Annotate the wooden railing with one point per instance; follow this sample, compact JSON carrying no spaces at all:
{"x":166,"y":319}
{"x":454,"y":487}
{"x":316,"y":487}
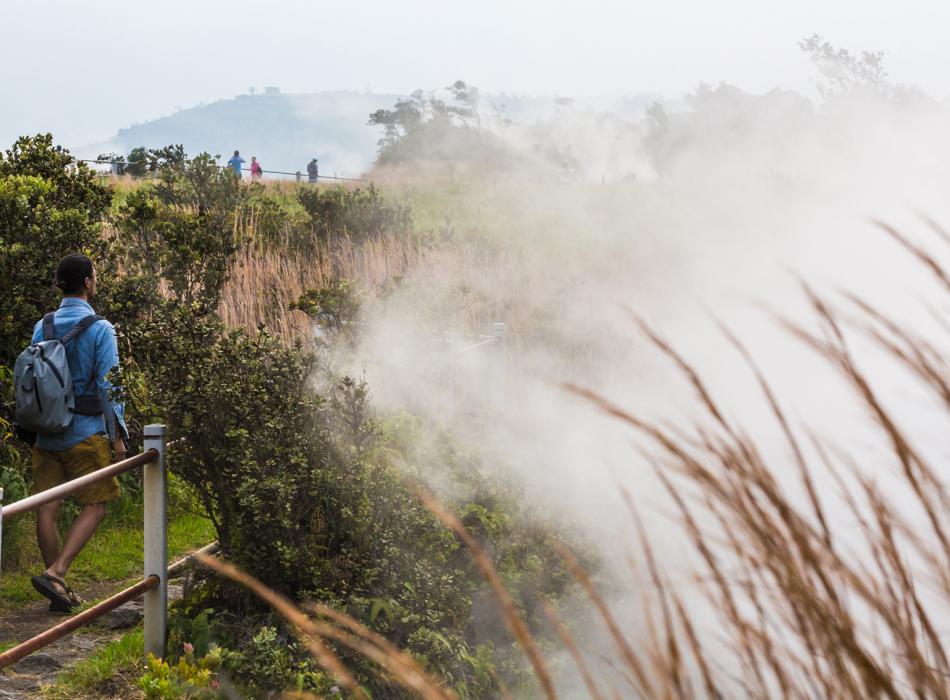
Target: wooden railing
{"x":154,"y":584}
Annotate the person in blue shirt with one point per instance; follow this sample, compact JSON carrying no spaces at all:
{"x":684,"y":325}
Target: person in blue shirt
{"x":85,"y":444}
{"x":235,"y":163}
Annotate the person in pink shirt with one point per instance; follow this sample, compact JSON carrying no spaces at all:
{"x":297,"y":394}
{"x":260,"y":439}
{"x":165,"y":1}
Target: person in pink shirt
{"x":256,"y":172}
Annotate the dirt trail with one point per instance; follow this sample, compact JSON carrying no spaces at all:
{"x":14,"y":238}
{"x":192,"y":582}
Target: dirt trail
{"x":26,"y":678}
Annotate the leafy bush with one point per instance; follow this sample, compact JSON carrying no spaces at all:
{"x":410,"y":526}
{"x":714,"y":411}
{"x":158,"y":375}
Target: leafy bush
{"x":272,"y":219}
{"x":308,"y":494}
{"x":360,"y":213}
{"x":47,"y":210}
{"x":271,"y":658}
{"x":189,"y":250}
{"x":334,"y":308}
{"x":255,"y":438}
{"x":190,"y":678}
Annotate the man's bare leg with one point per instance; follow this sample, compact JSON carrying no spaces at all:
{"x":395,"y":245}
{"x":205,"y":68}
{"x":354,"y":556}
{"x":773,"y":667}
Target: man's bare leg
{"x":47,"y":533}
{"x":82,"y":529}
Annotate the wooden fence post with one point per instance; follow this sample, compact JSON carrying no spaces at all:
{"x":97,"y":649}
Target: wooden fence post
{"x":155,"y":491}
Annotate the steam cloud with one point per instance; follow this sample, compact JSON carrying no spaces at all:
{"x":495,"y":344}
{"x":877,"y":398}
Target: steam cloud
{"x":753,"y":194}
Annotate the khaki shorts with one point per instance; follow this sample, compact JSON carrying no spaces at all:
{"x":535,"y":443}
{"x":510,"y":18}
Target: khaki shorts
{"x":54,"y":467}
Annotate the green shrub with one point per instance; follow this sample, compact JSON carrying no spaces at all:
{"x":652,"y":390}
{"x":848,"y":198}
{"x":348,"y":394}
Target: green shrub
{"x":273,"y":219}
{"x":334,"y":308}
{"x":272,"y":659}
{"x":303,"y":499}
{"x":255,"y":445}
{"x":189,"y":678}
{"x":360,"y":213}
{"x":174,"y":233}
{"x":46,"y":212}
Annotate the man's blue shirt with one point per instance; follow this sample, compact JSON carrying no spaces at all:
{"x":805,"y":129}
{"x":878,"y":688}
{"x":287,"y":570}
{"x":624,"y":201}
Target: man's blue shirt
{"x":94,"y":349}
{"x":235,"y":164}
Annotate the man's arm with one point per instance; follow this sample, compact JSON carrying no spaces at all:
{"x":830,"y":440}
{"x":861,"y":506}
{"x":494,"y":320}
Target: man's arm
{"x":107,"y":358}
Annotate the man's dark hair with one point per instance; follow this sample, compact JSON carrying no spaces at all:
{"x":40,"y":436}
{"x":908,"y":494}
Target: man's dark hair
{"x":236,"y":153}
{"x":72,"y":271}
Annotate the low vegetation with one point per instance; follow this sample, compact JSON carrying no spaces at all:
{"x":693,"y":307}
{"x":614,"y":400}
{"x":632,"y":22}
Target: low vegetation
{"x":799,"y":608}
{"x":302,"y":484}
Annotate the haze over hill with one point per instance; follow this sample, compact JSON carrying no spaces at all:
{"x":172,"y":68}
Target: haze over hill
{"x":286,"y":130}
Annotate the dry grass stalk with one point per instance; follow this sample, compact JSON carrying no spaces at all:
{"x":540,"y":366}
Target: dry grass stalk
{"x":826,"y":622}
{"x":299,"y":622}
{"x":387,"y":651}
{"x":265,"y":279}
{"x":513,"y":619}
{"x":401,"y":667}
{"x":568,"y":641}
{"x":642,"y":682}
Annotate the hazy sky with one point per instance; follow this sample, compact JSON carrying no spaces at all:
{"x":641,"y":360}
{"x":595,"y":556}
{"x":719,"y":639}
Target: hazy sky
{"x":84,"y":69}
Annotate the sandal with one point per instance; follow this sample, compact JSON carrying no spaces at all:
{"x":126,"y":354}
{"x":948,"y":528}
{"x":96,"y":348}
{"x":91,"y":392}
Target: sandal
{"x":58,"y":601}
{"x":74,"y":599}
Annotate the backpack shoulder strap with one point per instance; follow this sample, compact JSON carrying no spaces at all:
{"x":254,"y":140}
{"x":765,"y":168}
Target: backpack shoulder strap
{"x":49,"y":331}
{"x":80,"y":326}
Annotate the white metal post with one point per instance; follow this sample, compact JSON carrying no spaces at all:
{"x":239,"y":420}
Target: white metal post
{"x":156,"y":550}
{"x":499,"y":368}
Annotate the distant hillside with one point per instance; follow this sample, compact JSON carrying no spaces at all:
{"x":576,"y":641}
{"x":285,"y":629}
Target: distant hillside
{"x":285,"y":131}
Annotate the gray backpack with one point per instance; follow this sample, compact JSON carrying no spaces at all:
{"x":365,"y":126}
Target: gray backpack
{"x":44,"y":385}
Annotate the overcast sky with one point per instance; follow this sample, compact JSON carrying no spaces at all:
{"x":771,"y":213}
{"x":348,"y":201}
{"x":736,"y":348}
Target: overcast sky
{"x":84,"y":69}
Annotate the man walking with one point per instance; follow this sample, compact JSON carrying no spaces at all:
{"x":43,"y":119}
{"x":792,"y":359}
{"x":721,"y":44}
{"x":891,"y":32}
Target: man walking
{"x":235,"y":163}
{"x":83,"y":447}
{"x":312,"y":171}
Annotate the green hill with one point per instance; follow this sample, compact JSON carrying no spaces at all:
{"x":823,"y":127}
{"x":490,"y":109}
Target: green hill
{"x":284,"y":131}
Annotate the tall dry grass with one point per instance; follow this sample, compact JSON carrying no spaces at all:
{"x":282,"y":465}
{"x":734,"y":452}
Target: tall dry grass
{"x":796,"y":608}
{"x":452,"y":284}
{"x":267,"y":277}
{"x":803,"y":611}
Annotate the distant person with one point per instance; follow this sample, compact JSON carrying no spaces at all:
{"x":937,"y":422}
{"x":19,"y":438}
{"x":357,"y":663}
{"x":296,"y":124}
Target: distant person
{"x":566,"y":173}
{"x":97,"y":424}
{"x":256,"y":172}
{"x":235,"y":163}
{"x":312,"y":171}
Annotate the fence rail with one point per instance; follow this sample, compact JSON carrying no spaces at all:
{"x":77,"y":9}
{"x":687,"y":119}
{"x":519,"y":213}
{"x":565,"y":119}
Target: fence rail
{"x":154,"y":584}
{"x":14,"y":654}
{"x":57,"y":492}
{"x":298,"y":175}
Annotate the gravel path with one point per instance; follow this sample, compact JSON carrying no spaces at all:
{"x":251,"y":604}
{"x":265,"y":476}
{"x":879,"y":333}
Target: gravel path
{"x":29,"y":675}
